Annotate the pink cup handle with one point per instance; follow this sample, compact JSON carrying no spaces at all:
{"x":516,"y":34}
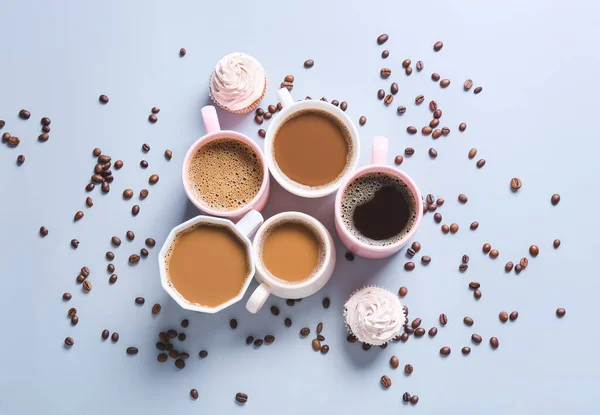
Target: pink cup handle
{"x":211,"y":121}
{"x":380,"y":150}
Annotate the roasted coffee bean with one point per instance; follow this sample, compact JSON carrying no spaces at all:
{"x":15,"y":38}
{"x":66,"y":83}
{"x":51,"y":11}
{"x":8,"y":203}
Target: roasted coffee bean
{"x":437,"y":113}
{"x":143,"y":194}
{"x":362,"y":120}
{"x":420,"y":66}
{"x":494,"y":253}
{"x":140,"y":300}
{"x":433,"y":332}
{"x":476,"y":338}
{"x":503,"y":316}
{"x":420,"y":332}
{"x":402,"y":291}
{"x":103,"y":99}
{"x":426,"y":130}
{"x":556,"y":243}
{"x":398,"y":159}
{"x":474,"y":285}
{"x":486,"y":248}
{"x":69,"y":342}
{"x":462,"y":198}
{"x":472,"y":153}
{"x":241,"y":397}
{"x":182,"y":52}
{"x":419,"y":99}
{"x":172,"y":333}
{"x":381,"y":94}
{"x":408,"y":70}
{"x":406,"y":63}
{"x":114,"y":337}
{"x":193,"y":393}
{"x":454,"y":227}
{"x":515,"y":183}
{"x":116,"y":241}
{"x":385,"y":72}
{"x":468,"y":84}
{"x":480,"y":163}
{"x":144,"y":252}
{"x":437,"y":218}
{"x":5,"y":137}
{"x":274,"y":310}
{"x":110,"y":268}
{"x":433,"y":106}
{"x":560,"y":312}
{"x":477,"y":90}
{"x":112,"y":279}
{"x":494,"y":342}
{"x":153,"y":179}
{"x":127,"y":194}
{"x":152,"y":118}
{"x":24,"y":114}
{"x":425,"y":259}
{"x":43,"y":231}
{"x":445,"y":351}
{"x":43,"y":137}
{"x":401,"y":110}
{"x":74,"y":320}
{"x":203,"y":353}
{"x":156,"y":309}
{"x":445,"y":228}
{"x":514,"y":315}
{"x":179,"y":364}
{"x":518,"y":269}
{"x":411,"y":130}
{"x":477,"y":294}
{"x":13,"y":141}
{"x":416,"y":246}
{"x":316,"y":345}
{"x":80,"y":279}
{"x":410,"y":252}
{"x":468,"y":321}
{"x":304,"y":332}
{"x":279,"y":106}
{"x":72,"y":311}
{"x":96,"y":152}
{"x":105,"y":334}
{"x":385,"y":54}
{"x":233,"y":323}
{"x":394,"y":88}
{"x":437,"y":46}
{"x":267,"y":116}
{"x":409,"y":266}
{"x":67,"y":296}
{"x":409,"y":151}
{"x":444,"y":83}
{"x":143,"y":164}
{"x":326,"y":302}
{"x":389,"y":98}
{"x":474,"y":225}
{"x":386,"y":382}
{"x":436,"y":134}
{"x":381,"y":39}
{"x":434,"y":123}
{"x":349,"y":256}
{"x":555,"y":199}
{"x":85,"y":271}
{"x":433,"y":153}
{"x":463,"y":267}
{"x":130,"y":235}
{"x":534,"y":250}
{"x":508,"y":267}
{"x":2,"y":123}
{"x":87,"y":286}
{"x":416,"y":323}
{"x":443,"y":319}
{"x":319,"y":328}
{"x":269,"y":339}
{"x":409,"y":369}
{"x":394,"y":362}
{"x":135,"y":209}
{"x":406,"y":397}
{"x":366,"y":347}
{"x":466,"y":350}
{"x":249,"y":340}
{"x":409,"y":329}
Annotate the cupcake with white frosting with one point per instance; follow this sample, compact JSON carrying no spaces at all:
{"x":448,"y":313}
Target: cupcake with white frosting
{"x":374,"y":315}
{"x":238,"y":83}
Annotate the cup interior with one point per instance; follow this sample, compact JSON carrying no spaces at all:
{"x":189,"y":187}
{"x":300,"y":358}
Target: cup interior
{"x":410,"y":186}
{"x":167,"y":250}
{"x":285,"y":218}
{"x":187,"y":181}
{"x":293,"y":111}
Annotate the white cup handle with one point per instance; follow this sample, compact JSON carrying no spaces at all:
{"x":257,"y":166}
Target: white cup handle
{"x":258,"y":298}
{"x":285,"y":97}
{"x":250,"y":223}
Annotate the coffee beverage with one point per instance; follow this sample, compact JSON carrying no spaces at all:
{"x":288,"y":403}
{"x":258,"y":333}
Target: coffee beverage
{"x":378,"y":209}
{"x":292,"y":250}
{"x":225,"y":174}
{"x":313,"y":148}
{"x":207,"y":264}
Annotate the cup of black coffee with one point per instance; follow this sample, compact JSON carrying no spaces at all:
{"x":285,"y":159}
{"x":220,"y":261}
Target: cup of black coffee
{"x":378,"y":208}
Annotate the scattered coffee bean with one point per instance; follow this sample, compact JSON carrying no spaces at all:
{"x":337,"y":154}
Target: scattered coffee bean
{"x":105,"y":334}
{"x":156,"y":309}
{"x":443,"y":319}
{"x":386,"y":382}
{"x":406,"y":63}
{"x":110,"y":268}
{"x":462,"y":198}
{"x":503,"y":316}
{"x":2,"y":123}
{"x":268,"y":115}
{"x":127,"y":194}
{"x":69,"y":342}
{"x":43,"y":231}
{"x":326,"y":302}
{"x":514,"y":315}
{"x":477,"y":90}
{"x":444,"y":83}
{"x":349,"y":256}
{"x":480,"y":163}
{"x":262,"y":133}
{"x":389,"y":98}
{"x":555,"y":199}
{"x":20,"y":159}
{"x":486,"y":248}
{"x":114,"y":337}
{"x":466,"y":350}
{"x":416,"y":323}
{"x":420,"y":66}
{"x":304,"y":332}
{"x":324,"y":349}
{"x":249,"y":340}
{"x":362,"y":120}
{"x":474,"y":225}
{"x":433,"y":332}
{"x":385,"y":72}
{"x":410,"y":252}
{"x":319,"y":328}
{"x":381,"y":39}
{"x":401,"y":110}
{"x":515,"y":183}
{"x":534,"y":250}
{"x":494,"y":342}
{"x":560,"y":312}
{"x":143,"y":164}
{"x":494,"y":253}
{"x":153,"y":179}
{"x":366,"y":347}
{"x":381,"y":94}
{"x":419,"y":99}
{"x":203,"y":354}
{"x":508,"y":267}
{"x":408,"y":369}
{"x":436,"y":134}
{"x":287,"y":322}
{"x":409,"y":266}
{"x":194,"y":394}
{"x":468,"y":84}
{"x":406,"y":397}
{"x":477,"y":294}
{"x":233,"y":323}
{"x":140,"y":300}
{"x":316,"y":345}
{"x":468,"y":321}
{"x":445,"y":228}
{"x":409,"y":151}
{"x":398,"y":159}
{"x":445,"y":351}
{"x":143,"y":194}
{"x":87,"y":286}
{"x":103,"y":99}
{"x":24,"y":114}
{"x":132,"y":350}
{"x":463,"y":267}
{"x":434,"y":123}
{"x":476,"y":338}
{"x":112,"y":279}
{"x":385,"y":54}
{"x":80,"y":279}
{"x":426,"y":130}
{"x":435,"y":76}
{"x":408,"y":70}
{"x":241,"y":397}
{"x":518,"y":269}
{"x":152,"y":118}
{"x":135,"y":209}
{"x":67,"y":296}
{"x":116,"y":241}
{"x":72,"y":312}
{"x":130,"y":235}
{"x":454,"y":227}
{"x":437,"y":46}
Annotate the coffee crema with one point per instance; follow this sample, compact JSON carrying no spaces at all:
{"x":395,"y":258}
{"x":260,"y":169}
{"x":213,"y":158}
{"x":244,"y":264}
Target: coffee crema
{"x":207,"y":264}
{"x":313,"y":148}
{"x":292,"y":251}
{"x":225,"y":174}
{"x":378,"y":209}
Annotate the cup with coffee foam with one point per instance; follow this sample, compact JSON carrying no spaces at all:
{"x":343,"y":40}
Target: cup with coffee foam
{"x":294,"y":256}
{"x":311,"y":146}
{"x":378,"y":209}
{"x":206,"y":264}
{"x":224,"y":172}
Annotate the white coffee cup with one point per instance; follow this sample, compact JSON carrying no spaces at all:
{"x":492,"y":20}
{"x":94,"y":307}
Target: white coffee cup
{"x":289,"y":109}
{"x":243,"y":230}
{"x":269,"y":284}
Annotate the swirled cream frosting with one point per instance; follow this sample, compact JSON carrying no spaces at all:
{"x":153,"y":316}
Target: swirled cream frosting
{"x":374,"y":315}
{"x":237,"y":81}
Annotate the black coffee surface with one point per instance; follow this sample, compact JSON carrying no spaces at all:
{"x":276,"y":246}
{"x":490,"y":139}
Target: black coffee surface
{"x":384,"y":216}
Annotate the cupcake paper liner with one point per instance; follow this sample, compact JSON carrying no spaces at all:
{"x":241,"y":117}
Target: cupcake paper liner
{"x":246,"y":110}
{"x":354,"y":334}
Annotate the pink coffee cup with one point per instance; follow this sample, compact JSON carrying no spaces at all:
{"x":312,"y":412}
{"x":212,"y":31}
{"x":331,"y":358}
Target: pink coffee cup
{"x":378,"y":165}
{"x":214,"y":132}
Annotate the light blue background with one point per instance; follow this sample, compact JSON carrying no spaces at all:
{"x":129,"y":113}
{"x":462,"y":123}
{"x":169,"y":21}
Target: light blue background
{"x":536,"y":119}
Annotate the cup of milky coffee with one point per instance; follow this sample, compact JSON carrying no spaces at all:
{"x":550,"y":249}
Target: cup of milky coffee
{"x":379,"y":208}
{"x":294,"y":256}
{"x":311,"y":146}
{"x":206,"y":263}
{"x":225,"y":173}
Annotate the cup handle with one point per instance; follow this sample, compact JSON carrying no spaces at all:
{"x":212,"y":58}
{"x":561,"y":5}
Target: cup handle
{"x":285,"y":97}
{"x":258,"y":298}
{"x":250,"y":223}
{"x":211,"y":121}
{"x":380,"y":150}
